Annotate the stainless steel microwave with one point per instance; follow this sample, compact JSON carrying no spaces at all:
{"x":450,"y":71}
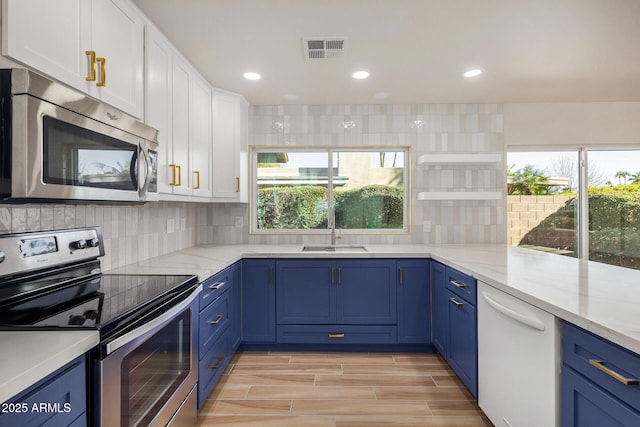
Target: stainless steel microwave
{"x":58,"y":144}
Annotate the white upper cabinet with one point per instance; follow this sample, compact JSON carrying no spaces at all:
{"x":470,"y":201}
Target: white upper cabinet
{"x":95,"y":46}
{"x":159,"y":102}
{"x":178,"y":104}
{"x":229,"y":172}
{"x":200,"y":141}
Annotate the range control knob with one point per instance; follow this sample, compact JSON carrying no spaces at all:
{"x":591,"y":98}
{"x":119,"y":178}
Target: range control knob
{"x":79,"y":244}
{"x":2,"y":257}
{"x":93,"y":243}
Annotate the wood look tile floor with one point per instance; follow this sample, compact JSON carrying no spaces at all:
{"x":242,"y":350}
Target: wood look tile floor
{"x":340,"y":390}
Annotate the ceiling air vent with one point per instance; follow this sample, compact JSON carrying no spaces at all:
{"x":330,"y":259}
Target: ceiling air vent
{"x":323,"y":47}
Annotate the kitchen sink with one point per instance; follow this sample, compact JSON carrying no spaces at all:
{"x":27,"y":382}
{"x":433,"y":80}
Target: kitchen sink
{"x":334,"y":248}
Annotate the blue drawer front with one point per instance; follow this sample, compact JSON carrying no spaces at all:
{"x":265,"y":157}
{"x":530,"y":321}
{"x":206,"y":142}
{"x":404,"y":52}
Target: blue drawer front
{"x":214,"y":286}
{"x":586,"y":405}
{"x":336,"y":334}
{"x":212,"y":366}
{"x":462,"y":285}
{"x":64,"y":397}
{"x":581,"y":347}
{"x":214,"y":320}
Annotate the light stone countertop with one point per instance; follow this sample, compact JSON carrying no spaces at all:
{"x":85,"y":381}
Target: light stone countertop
{"x":28,"y":356}
{"x":598,"y":297}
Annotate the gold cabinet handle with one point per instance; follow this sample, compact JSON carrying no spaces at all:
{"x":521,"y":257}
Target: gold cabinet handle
{"x":270,"y":275}
{"x":400,"y":276}
{"x":600,"y":365}
{"x":332,"y":276}
{"x":197,"y":187}
{"x":458,"y":304}
{"x":179,"y":176}
{"x":458,"y":284}
{"x":339,"y":275}
{"x":218,"y":319}
{"x":217,"y":365}
{"x":173,"y":172}
{"x":92,"y":66}
{"x":237,"y":184}
{"x":336,"y":335}
{"x":103,"y":72}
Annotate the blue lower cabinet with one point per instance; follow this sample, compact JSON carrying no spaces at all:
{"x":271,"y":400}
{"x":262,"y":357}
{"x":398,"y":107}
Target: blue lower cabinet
{"x":463,"y":341}
{"x":235,"y":309}
{"x":60,"y":399}
{"x":586,"y":405}
{"x":219,"y":327}
{"x":306,"y":292}
{"x":211,"y":366}
{"x":336,"y":334}
{"x":455,"y":322}
{"x":440,"y":308}
{"x":366,"y":292}
{"x":599,"y":381}
{"x":414,"y":302}
{"x":258,"y":301}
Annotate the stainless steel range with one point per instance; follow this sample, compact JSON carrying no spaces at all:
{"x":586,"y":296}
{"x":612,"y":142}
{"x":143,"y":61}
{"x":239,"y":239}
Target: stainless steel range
{"x":144,"y":371}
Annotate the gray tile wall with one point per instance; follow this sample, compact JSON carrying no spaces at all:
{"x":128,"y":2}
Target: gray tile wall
{"x":131,"y":233}
{"x":427,"y":128}
{"x":135,"y":233}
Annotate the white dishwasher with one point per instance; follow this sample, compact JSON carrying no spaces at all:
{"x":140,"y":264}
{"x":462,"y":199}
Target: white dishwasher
{"x":519,"y":359}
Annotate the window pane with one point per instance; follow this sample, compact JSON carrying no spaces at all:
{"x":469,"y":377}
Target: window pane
{"x":292,"y":190}
{"x":368,"y":189}
{"x":614,"y":207}
{"x":542,"y":200}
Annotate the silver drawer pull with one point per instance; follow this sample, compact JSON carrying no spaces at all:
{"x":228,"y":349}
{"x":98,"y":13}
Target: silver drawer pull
{"x":458,"y":284}
{"x":600,"y":365}
{"x":458,"y":304}
{"x":217,"y":365}
{"x":336,"y":335}
{"x":218,"y":319}
{"x":216,"y":286}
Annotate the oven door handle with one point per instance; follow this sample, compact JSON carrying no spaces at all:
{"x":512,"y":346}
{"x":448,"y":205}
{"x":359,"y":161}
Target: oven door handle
{"x":159,"y":321}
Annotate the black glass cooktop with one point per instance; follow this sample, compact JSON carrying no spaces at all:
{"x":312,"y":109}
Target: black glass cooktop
{"x":102,"y":301}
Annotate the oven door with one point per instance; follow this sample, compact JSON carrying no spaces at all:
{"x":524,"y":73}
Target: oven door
{"x":59,"y":154}
{"x":148,"y":374}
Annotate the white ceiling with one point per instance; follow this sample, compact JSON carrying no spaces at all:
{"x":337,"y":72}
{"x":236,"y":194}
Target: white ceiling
{"x":415,"y":50}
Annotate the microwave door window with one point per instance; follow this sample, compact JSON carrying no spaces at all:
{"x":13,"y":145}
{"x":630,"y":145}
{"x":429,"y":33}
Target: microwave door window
{"x":81,"y":157}
{"x":105,"y":169}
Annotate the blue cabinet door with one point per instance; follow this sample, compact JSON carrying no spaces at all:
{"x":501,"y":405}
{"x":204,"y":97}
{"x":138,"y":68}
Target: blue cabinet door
{"x":463,"y":341}
{"x":366,"y":292}
{"x":584,"y":404}
{"x":306,"y":292}
{"x":258,"y":300}
{"x":235,"y":318}
{"x":440,"y":308}
{"x":60,"y":399}
{"x":414,"y":302}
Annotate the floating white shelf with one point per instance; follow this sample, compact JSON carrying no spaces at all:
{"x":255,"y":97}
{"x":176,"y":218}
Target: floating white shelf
{"x":458,"y":158}
{"x":460,"y":195}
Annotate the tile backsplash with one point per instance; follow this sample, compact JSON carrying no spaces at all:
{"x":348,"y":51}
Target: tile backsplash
{"x":427,"y":128}
{"x":131,"y":233}
{"x":135,"y":233}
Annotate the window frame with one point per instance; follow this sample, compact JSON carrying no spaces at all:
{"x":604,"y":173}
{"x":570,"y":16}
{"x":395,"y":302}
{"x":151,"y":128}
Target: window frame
{"x":582,"y":152}
{"x":253,"y":196}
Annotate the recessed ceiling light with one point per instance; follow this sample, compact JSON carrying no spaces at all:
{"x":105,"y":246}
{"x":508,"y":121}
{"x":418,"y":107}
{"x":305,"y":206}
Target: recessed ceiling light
{"x":291,"y":97}
{"x":360,"y":75}
{"x":473,"y":73}
{"x":381,"y":95}
{"x":252,"y":76}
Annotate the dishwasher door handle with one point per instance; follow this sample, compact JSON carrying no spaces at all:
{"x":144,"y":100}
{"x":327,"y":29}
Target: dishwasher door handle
{"x":528,"y":320}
